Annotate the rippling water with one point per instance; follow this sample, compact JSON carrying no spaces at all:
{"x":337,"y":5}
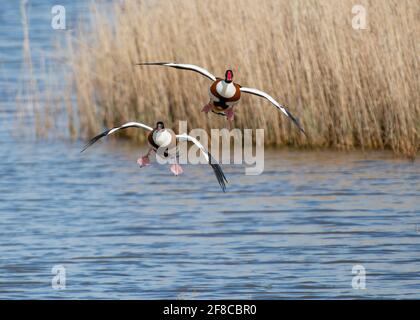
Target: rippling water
{"x":296,"y":231}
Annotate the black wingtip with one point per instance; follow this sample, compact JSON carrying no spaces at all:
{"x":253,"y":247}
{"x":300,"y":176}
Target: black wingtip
{"x":301,"y":129}
{"x":150,"y":63}
{"x":87,"y":145}
{"x":296,"y":122}
{"x":94,"y":139}
{"x":221,"y":178}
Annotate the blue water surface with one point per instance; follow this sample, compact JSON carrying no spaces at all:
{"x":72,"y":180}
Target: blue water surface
{"x":296,"y":231}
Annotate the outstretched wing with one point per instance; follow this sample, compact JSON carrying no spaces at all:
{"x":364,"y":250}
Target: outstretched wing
{"x":212,"y":162}
{"x":275,"y":103}
{"x":111,"y":131}
{"x":191,"y":67}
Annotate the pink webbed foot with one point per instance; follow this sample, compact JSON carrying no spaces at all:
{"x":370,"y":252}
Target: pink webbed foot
{"x":143,"y":161}
{"x":230,"y":114}
{"x":207,"y":108}
{"x":176,"y":169}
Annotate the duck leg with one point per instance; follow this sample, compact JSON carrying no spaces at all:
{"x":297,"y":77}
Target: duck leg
{"x":145,"y":161}
{"x":207,"y":108}
{"x":176,"y":169}
{"x":230,"y":113}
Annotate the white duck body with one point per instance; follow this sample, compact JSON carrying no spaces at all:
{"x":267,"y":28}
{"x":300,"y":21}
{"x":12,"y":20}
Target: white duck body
{"x":163,"y":138}
{"x":224,"y":95}
{"x":226,"y":90}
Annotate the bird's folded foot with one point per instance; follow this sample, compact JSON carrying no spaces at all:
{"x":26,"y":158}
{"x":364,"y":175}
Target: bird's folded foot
{"x":230,"y":114}
{"x":176,"y":169}
{"x":208,"y":107}
{"x":143,"y":161}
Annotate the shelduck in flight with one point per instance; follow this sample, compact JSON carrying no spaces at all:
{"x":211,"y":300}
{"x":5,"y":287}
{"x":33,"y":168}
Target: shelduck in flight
{"x":164,"y":142}
{"x":224,"y":93}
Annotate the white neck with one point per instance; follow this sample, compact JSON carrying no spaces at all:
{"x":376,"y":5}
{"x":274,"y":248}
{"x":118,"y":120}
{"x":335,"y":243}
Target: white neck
{"x":225,"y":89}
{"x":163,"y":138}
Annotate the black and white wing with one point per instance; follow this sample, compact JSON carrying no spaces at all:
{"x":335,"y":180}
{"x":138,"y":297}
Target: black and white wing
{"x":111,"y":131}
{"x":183,"y":66}
{"x":212,"y":162}
{"x":275,"y":103}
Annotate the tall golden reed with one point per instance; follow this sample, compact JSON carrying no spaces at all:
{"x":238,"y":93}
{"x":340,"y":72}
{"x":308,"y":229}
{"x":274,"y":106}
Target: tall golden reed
{"x":350,"y":88}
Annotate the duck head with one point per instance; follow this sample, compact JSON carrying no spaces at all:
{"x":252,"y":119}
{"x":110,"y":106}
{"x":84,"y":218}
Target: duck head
{"x":160,"y":125}
{"x":228,"y":76}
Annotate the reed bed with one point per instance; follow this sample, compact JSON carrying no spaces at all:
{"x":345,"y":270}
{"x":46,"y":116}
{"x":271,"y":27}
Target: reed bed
{"x":349,"y":88}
